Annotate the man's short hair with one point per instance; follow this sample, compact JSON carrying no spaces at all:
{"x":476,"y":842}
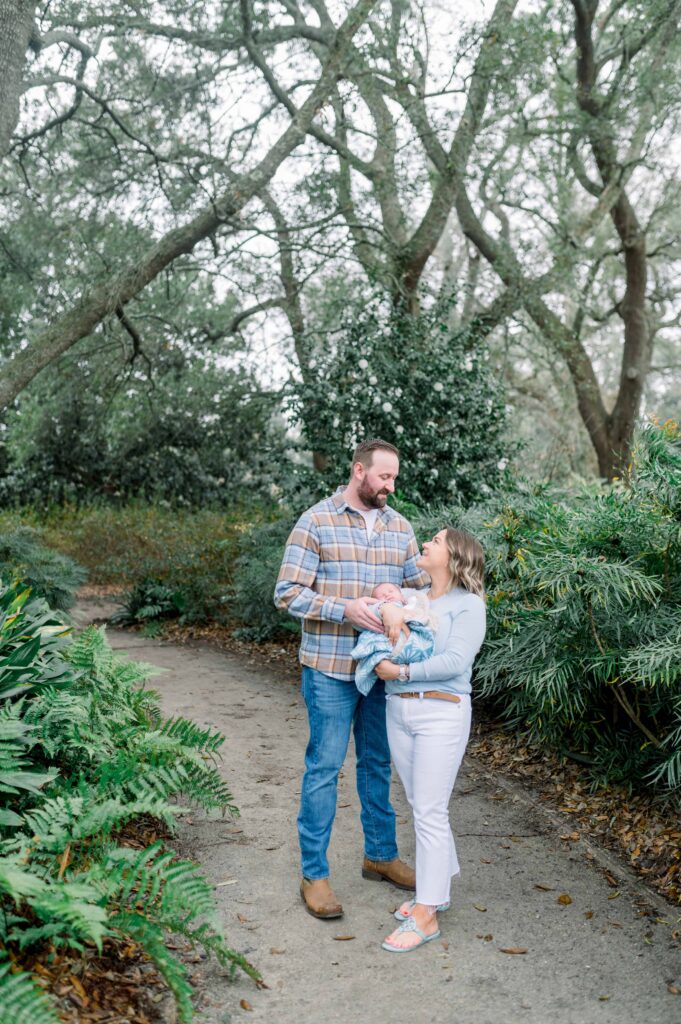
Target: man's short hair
{"x":364,"y":452}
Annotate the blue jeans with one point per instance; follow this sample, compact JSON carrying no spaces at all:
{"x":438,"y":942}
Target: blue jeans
{"x":334,"y":706}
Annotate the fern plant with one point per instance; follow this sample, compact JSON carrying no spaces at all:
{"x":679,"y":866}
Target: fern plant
{"x":84,"y":750}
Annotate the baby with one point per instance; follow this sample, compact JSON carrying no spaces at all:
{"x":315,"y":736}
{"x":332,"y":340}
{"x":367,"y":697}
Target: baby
{"x":401,"y":644}
{"x":415,"y":604}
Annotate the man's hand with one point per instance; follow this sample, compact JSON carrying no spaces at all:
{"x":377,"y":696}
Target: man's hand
{"x":387,"y":670}
{"x":358,"y":614}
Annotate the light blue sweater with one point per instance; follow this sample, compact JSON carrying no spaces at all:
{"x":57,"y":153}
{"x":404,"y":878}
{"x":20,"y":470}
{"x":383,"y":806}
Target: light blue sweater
{"x":459,"y":637}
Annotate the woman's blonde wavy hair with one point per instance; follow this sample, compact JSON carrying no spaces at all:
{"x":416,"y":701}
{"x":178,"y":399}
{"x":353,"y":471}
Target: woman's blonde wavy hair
{"x":466,"y":561}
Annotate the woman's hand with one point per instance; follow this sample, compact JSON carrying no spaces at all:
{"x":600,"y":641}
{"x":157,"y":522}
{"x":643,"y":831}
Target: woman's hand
{"x":387,"y":670}
{"x":393,"y":620}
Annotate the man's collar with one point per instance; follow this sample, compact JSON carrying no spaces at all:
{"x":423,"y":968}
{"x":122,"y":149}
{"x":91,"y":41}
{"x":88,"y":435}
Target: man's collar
{"x":338,"y":499}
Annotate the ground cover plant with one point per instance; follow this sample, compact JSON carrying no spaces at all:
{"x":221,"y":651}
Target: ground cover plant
{"x":84,"y":752}
{"x":147,"y":550}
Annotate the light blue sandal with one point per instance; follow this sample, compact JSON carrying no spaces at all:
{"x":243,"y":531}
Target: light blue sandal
{"x":410,"y":926}
{"x":410,"y":903}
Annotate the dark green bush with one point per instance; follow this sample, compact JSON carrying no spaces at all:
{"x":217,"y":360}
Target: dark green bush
{"x":49,"y":574}
{"x":584,"y":645}
{"x":149,"y":599}
{"x":255,"y":572}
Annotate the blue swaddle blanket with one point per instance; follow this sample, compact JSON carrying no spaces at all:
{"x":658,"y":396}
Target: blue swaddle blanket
{"x":374,"y":647}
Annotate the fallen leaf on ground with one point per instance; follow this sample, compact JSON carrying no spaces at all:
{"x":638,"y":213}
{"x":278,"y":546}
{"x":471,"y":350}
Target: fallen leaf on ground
{"x":513,"y":949}
{"x":611,"y":880}
{"x":487,"y":938}
{"x":245,"y":1005}
{"x":565,"y":899}
{"x":277,"y":952}
{"x":483,"y":860}
{"x":483,"y":910}
{"x":614,"y":895}
{"x":544,"y":888}
{"x":231,"y":881}
{"x":588,"y":914}
{"x":343,"y":938}
{"x":242,"y":918}
{"x":603,"y":999}
{"x":566,"y":836}
{"x":674,"y":989}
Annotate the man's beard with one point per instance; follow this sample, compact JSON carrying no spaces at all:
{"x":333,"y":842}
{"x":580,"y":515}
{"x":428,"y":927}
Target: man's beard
{"x":374,"y":499}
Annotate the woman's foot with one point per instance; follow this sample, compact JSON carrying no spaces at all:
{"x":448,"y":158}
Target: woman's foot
{"x":420,"y":927}
{"x":404,"y":911}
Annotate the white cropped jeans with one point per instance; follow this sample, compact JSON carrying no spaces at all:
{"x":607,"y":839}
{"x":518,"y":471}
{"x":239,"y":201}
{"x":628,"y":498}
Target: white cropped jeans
{"x":427,"y":739}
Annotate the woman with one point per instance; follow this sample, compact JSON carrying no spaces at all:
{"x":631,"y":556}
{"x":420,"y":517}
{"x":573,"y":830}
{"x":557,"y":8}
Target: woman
{"x":429,"y":719}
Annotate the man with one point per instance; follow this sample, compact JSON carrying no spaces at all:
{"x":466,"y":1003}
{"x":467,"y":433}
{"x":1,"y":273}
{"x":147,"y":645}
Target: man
{"x":339,"y":550}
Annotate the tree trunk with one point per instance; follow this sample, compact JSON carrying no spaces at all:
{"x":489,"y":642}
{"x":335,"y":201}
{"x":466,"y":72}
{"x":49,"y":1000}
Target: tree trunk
{"x":16,"y":24}
{"x":638,"y":337}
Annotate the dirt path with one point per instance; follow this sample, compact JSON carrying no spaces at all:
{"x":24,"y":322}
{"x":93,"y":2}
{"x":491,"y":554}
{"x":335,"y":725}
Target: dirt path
{"x":605,"y":958}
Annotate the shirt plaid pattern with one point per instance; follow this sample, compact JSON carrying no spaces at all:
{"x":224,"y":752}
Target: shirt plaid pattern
{"x":329,"y":561}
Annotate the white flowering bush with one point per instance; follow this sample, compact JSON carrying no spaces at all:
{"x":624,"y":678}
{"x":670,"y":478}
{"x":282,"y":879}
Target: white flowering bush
{"x":417,"y":383}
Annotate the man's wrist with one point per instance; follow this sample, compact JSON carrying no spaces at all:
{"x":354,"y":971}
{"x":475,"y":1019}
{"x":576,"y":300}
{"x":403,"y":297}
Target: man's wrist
{"x":403,"y":675}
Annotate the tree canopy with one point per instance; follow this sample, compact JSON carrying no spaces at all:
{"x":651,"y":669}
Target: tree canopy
{"x":284,"y":161}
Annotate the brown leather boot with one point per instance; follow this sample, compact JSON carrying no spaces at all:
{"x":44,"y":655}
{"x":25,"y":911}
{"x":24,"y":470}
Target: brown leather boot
{"x":319,"y":898}
{"x":395,"y":871}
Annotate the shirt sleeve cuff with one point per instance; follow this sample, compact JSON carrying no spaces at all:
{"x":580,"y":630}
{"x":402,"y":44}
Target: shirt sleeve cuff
{"x":334,"y":611}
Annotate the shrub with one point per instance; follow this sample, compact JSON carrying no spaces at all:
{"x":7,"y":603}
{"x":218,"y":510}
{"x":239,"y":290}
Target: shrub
{"x":49,"y":574}
{"x":83,"y":751}
{"x":250,"y":597}
{"x":584,"y":644}
{"x":372,"y":383}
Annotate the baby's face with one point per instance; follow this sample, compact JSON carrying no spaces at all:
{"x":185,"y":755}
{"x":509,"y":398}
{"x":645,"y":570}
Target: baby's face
{"x":387,"y":592}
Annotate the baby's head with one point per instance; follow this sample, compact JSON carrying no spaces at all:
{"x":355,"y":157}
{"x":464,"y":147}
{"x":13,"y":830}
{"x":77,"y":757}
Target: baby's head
{"x":387,"y":592}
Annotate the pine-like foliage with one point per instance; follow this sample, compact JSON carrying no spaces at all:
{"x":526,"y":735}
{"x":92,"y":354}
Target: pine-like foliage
{"x":84,"y":750}
{"x":48,"y":574}
{"x":584,"y":607}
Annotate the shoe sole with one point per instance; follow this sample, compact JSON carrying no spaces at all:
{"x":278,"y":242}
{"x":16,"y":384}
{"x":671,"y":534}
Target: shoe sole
{"x":410,"y":949}
{"x":376,"y":876}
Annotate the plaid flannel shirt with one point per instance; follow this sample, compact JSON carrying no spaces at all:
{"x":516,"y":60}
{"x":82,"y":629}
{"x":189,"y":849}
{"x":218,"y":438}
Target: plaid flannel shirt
{"x":327,"y":562}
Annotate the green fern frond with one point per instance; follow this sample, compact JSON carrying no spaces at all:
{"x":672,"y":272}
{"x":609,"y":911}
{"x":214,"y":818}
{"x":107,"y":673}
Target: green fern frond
{"x":150,"y":937}
{"x":21,"y":1001}
{"x":189,"y":734}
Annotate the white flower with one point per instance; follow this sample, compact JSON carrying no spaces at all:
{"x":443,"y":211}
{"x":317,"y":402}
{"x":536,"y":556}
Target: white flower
{"x":373,"y":380}
{"x":363,"y":364}
{"x":438,"y":386}
{"x":398,"y":392}
{"x":376,"y":399}
{"x":336,"y":422}
{"x":502,"y":464}
{"x":434,"y":472}
{"x":387,"y":407}
{"x":399,"y":429}
{"x":312,"y":364}
{"x":468,"y":365}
